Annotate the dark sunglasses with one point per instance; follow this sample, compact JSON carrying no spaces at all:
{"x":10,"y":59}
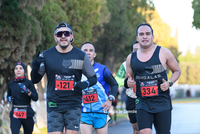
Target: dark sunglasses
{"x":66,"y":33}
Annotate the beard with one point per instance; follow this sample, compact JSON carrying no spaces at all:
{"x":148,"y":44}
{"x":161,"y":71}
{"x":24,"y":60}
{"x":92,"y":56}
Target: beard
{"x":63,"y":47}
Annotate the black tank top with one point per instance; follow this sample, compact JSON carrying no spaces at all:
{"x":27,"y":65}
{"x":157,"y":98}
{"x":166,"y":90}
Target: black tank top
{"x":148,"y":76}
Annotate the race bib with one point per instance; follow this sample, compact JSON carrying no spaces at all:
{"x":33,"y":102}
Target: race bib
{"x":64,"y":82}
{"x":149,"y":88}
{"x":89,"y":96}
{"x":20,"y":113}
{"x":134,"y":88}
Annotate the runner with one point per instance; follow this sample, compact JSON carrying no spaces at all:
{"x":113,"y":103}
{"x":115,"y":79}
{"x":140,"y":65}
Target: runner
{"x":20,"y":93}
{"x":131,"y":96}
{"x":96,"y":102}
{"x":114,"y":105}
{"x":147,"y":68}
{"x":64,"y":65}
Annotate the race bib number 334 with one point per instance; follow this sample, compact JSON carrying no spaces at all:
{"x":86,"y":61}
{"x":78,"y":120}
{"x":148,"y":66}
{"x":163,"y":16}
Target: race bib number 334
{"x":149,"y":88}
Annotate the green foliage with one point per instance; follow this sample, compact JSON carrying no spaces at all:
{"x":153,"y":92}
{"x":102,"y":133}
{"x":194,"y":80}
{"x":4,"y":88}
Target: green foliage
{"x":12,"y":31}
{"x":82,"y":17}
{"x":189,"y":73}
{"x":114,"y":35}
{"x":196,"y":16}
{"x":104,"y":17}
{"x":190,"y":68}
{"x":192,"y":58}
{"x":50,"y":16}
{"x":20,"y":33}
{"x":119,"y":33}
{"x":28,"y":26}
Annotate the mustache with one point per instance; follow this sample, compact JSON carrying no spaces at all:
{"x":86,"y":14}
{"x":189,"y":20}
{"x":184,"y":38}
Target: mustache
{"x":63,"y":39}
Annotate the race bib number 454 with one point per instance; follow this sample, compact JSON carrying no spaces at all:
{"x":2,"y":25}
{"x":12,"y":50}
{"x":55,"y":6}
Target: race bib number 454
{"x":149,"y":88}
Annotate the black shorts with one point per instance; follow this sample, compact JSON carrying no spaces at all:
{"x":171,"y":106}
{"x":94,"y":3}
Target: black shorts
{"x":130,"y":107}
{"x":70,"y":119}
{"x":114,"y":104}
{"x":161,"y":121}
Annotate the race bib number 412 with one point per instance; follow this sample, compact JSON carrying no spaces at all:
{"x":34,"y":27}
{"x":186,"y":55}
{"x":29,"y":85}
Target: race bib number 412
{"x":149,"y":88}
{"x":89,"y":96}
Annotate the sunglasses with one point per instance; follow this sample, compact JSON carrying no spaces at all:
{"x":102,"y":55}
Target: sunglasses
{"x":66,"y":33}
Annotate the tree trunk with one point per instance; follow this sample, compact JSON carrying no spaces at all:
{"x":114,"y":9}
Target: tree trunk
{"x":110,"y":63}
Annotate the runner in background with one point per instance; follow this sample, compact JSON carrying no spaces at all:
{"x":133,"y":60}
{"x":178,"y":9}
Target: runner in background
{"x":97,"y":100}
{"x":131,"y":96}
{"x":114,"y":114}
{"x":20,"y":93}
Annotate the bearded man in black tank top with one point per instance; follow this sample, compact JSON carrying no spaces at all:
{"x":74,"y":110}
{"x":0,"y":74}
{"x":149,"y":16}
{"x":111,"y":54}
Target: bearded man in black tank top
{"x":64,"y":65}
{"x":147,"y":68}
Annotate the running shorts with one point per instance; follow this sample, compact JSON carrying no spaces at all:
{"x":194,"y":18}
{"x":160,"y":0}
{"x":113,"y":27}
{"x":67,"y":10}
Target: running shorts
{"x":70,"y":119}
{"x":114,"y":104}
{"x":130,"y":107}
{"x":161,"y":121}
{"x":98,"y":120}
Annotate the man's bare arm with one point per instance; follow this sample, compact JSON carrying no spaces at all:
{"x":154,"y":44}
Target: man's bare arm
{"x":129,"y":81}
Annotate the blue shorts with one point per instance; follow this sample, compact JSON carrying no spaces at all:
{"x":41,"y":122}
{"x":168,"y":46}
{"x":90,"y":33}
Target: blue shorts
{"x":98,"y":120}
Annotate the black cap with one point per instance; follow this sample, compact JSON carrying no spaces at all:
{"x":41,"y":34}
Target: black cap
{"x":22,"y":64}
{"x":62,"y":24}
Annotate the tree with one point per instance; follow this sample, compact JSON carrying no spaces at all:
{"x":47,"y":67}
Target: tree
{"x":114,"y":35}
{"x":49,"y":17}
{"x":196,"y":16}
{"x":82,"y":17}
{"x":118,"y":34}
{"x":190,"y":66}
{"x":104,"y":17}
{"x":20,"y":33}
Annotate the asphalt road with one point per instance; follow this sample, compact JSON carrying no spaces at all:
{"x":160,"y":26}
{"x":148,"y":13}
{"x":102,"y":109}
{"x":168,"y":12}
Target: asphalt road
{"x":185,"y":120}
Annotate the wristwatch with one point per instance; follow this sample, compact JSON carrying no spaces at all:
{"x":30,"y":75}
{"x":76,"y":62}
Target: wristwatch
{"x":170,"y":83}
{"x":111,"y":98}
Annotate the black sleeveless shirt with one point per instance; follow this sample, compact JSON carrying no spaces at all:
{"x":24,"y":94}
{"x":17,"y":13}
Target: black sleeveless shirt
{"x":148,"y":76}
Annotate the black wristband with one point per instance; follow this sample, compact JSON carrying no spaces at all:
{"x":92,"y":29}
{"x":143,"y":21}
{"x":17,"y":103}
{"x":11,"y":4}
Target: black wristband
{"x":125,"y":83}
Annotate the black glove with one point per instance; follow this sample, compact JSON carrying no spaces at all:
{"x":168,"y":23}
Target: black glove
{"x":10,"y":99}
{"x":38,"y":60}
{"x":80,"y":86}
{"x":23,"y":88}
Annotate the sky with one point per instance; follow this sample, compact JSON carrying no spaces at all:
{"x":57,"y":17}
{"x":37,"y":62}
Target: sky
{"x":178,"y":14}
